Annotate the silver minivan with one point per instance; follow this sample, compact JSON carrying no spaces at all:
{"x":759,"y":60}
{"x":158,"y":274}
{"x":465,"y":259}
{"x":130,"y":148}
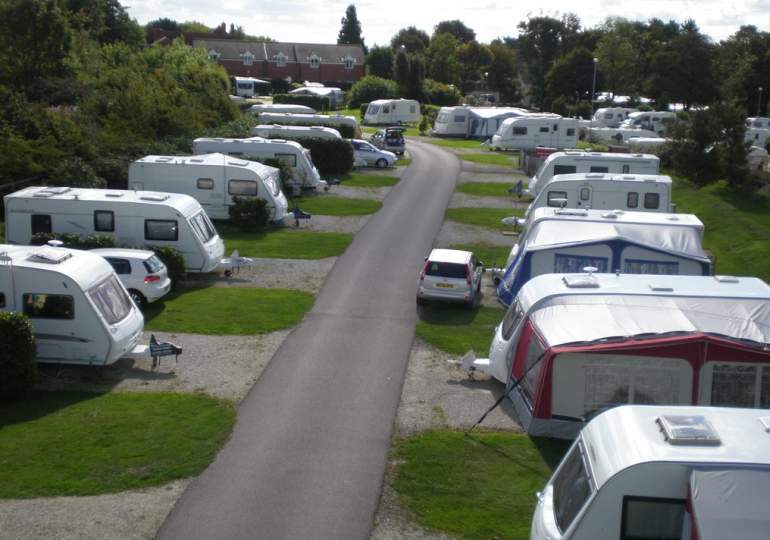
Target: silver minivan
{"x":450,"y":275}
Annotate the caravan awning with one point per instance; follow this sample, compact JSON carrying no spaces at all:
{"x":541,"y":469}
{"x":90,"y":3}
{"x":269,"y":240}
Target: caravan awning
{"x":731,"y":503}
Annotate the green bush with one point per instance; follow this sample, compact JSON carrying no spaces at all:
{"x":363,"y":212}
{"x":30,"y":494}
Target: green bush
{"x":174,"y":261}
{"x":429,"y":112}
{"x":330,"y":156}
{"x":249,"y":213}
{"x":319,"y":103}
{"x":75,"y":172}
{"x":18,"y":370}
{"x":423,"y":127}
{"x":284,"y":169}
{"x":75,"y":241}
{"x":441,"y":94}
{"x":370,"y":88}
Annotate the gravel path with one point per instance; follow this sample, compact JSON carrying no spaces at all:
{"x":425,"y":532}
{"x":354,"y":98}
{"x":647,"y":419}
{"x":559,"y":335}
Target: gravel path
{"x":459,"y":233}
{"x":299,"y":274}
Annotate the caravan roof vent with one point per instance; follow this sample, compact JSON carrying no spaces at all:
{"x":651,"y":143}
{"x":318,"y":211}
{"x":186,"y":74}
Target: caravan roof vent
{"x":726,"y":279}
{"x":594,"y":175}
{"x":673,"y":218}
{"x":51,"y":191}
{"x":156,"y":197}
{"x":570,"y":211}
{"x":581,"y":281}
{"x":49,"y":255}
{"x":238,"y":163}
{"x":688,"y":430}
{"x":164,"y":159}
{"x":113,"y":194}
{"x":196,"y":160}
{"x":661,"y":288}
{"x":630,"y":177}
{"x":278,"y":140}
{"x":316,"y":127}
{"x":610,"y":215}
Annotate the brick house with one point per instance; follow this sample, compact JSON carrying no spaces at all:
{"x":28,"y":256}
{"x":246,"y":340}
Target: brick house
{"x":332,"y":65}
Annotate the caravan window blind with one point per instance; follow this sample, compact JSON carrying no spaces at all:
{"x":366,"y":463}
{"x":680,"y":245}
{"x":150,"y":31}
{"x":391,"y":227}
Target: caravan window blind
{"x":652,"y":518}
{"x":48,"y":306}
{"x":161,"y":229}
{"x":568,"y":264}
{"x":638,"y":266}
{"x":41,"y":223}
{"x":104,"y":221}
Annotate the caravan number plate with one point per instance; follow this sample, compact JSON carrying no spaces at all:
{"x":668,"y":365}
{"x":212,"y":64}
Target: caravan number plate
{"x":445,"y":285}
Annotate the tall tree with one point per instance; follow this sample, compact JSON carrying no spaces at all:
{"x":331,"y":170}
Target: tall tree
{"x":502,"y":72}
{"x":413,"y":39}
{"x":540,"y":44}
{"x":617,"y":58}
{"x":571,"y":76}
{"x":379,"y":60}
{"x":350,"y":33}
{"x":164,"y":23}
{"x":441,"y":59}
{"x":401,"y":71}
{"x":743,"y":66}
{"x":106,"y":21}
{"x":456,"y":28}
{"x":416,"y":77}
{"x":474,"y":59}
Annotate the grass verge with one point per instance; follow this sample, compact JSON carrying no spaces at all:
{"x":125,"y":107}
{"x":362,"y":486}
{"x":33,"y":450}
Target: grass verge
{"x":285,"y":243}
{"x":227,"y":311}
{"x":487,"y":189}
{"x":455,"y":329}
{"x":368,"y":180}
{"x":489,"y":254}
{"x":328,"y":205}
{"x":480,"y":486}
{"x":66,"y":443}
{"x":403,"y":162}
{"x":491,"y":158}
{"x":453,"y":143}
{"x":484,"y":217}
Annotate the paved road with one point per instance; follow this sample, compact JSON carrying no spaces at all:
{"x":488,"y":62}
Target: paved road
{"x":308,"y":455}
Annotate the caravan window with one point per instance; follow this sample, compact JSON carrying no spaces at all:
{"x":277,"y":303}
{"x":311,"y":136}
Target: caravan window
{"x":740,"y":385}
{"x":608,"y":116}
{"x":512,"y":318}
{"x":570,"y":132}
{"x":651,"y":201}
{"x":104,"y":221}
{"x":637,"y":266}
{"x":372,"y":109}
{"x":632,"y":200}
{"x":203,"y":227}
{"x":48,"y":306}
{"x":161,"y":229}
{"x":651,"y":517}
{"x":460,"y":118}
{"x":519,"y":130}
{"x":443,"y":118}
{"x":205,"y":183}
{"x":544,"y":129}
{"x":412,"y":109}
{"x":2,"y":300}
{"x":531,"y":371}
{"x":111,"y":300}
{"x":585,"y":194}
{"x":288,"y":159}
{"x":242,"y":187}
{"x":626,"y":169}
{"x":567,"y":264}
{"x":41,"y":223}
{"x":571,"y":488}
{"x":385,"y":109}
{"x":596,"y":168}
{"x":556,"y":199}
{"x":564,"y":169}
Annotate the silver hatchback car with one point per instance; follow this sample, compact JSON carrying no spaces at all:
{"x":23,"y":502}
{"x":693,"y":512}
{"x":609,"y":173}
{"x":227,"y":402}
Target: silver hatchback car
{"x":450,"y":275}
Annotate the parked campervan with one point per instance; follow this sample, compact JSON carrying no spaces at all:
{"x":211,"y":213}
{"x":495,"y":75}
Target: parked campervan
{"x":79,"y":311}
{"x":392,"y":111}
{"x":336,"y":121}
{"x":572,"y":345}
{"x":691,"y":473}
{"x":567,"y":240}
{"x":248,"y":86}
{"x":211,"y":179}
{"x":574,"y":161}
{"x":335,"y":95}
{"x":304,"y":174}
{"x":285,"y":108}
{"x":472,"y":122}
{"x":612,"y":116}
{"x":657,"y":121}
{"x":133,"y":218}
{"x":277,"y":131}
{"x":635,"y":192}
{"x":528,"y":132}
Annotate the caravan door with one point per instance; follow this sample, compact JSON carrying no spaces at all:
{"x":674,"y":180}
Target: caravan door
{"x":585,"y":196}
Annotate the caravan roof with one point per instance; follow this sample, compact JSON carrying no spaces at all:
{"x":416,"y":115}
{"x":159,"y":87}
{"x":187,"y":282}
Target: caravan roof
{"x":585,"y":308}
{"x":83,"y":267}
{"x":295,"y":131}
{"x":582,"y":177}
{"x":214,"y":159}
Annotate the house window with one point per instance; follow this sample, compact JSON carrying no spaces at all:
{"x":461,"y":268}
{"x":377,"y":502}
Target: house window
{"x":214,"y":55}
{"x":41,"y":223}
{"x":48,"y":306}
{"x":315,"y":61}
{"x":651,"y":201}
{"x":519,"y":130}
{"x":740,"y":385}
{"x":652,"y":517}
{"x":280,"y":59}
{"x":557,"y":199}
{"x":166,"y":230}
{"x":205,"y":183}
{"x":104,"y":221}
{"x":637,"y":266}
{"x":564,"y":169}
{"x":349,"y":62}
{"x":242,"y":187}
{"x":570,"y":264}
{"x":248,"y":58}
{"x":632,"y":200}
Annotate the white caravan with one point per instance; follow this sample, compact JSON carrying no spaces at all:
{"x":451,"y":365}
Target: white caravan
{"x":133,"y":218}
{"x":472,"y":122}
{"x":248,"y":86}
{"x":303,"y":172}
{"x":329,"y":120}
{"x":281,"y":108}
{"x":211,"y":179}
{"x":336,"y":95}
{"x":79,"y":311}
{"x":611,"y":116}
{"x":757,"y":136}
{"x":277,"y":131}
{"x":761,"y":122}
{"x":657,"y":121}
{"x":689,"y":473}
{"x":616,"y":135}
{"x":392,"y":111}
{"x":645,"y":144}
{"x":574,"y":161}
{"x":635,"y":192}
{"x":528,"y":132}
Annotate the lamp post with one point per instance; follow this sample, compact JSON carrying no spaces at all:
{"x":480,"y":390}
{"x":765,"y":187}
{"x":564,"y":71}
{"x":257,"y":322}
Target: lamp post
{"x":593,"y":93}
{"x":759,"y":100}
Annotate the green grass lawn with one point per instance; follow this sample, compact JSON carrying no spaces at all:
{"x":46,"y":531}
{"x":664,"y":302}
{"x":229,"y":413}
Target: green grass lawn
{"x":489,"y":254}
{"x":455,"y":329}
{"x":329,"y":205}
{"x":285,"y":243}
{"x":491,"y":158}
{"x":480,"y":486}
{"x":483,"y":217}
{"x":403,"y":162}
{"x":367,"y":180}
{"x":737,"y":226}
{"x":66,"y":443}
{"x":227,"y":311}
{"x":453,"y":143}
{"x":487,"y":189}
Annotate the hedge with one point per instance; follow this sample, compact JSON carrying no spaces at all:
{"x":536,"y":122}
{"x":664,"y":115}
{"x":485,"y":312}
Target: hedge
{"x":330,"y":156}
{"x":249,"y":213}
{"x":18,"y":371}
{"x":319,"y":103}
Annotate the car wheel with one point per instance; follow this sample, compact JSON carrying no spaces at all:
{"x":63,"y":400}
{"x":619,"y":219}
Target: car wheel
{"x":138,"y":298}
{"x":420,"y":301}
{"x":382,"y":163}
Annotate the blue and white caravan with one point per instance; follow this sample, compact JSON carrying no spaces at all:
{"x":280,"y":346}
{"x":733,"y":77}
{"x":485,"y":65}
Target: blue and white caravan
{"x":569,"y":240}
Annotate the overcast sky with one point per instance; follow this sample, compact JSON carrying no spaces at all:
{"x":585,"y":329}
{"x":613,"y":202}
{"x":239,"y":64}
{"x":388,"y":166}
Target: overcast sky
{"x":318,"y":21}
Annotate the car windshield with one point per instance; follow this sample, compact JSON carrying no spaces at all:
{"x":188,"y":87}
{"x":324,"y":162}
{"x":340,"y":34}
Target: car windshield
{"x":111,"y":300}
{"x":444,"y":269}
{"x":571,"y":488}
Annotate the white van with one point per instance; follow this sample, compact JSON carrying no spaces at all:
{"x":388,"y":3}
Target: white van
{"x":612,"y":116}
{"x":575,"y":161}
{"x":212,"y":180}
{"x":685,"y":473}
{"x":304,"y":173}
{"x":528,"y":132}
{"x":328,"y":120}
{"x":392,"y":111}
{"x":79,"y":311}
{"x":133,"y":218}
{"x":657,"y":121}
{"x":277,"y":131}
{"x":635,"y":192}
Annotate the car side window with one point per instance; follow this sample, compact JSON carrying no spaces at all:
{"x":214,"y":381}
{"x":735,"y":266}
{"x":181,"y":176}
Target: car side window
{"x":121,"y":266}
